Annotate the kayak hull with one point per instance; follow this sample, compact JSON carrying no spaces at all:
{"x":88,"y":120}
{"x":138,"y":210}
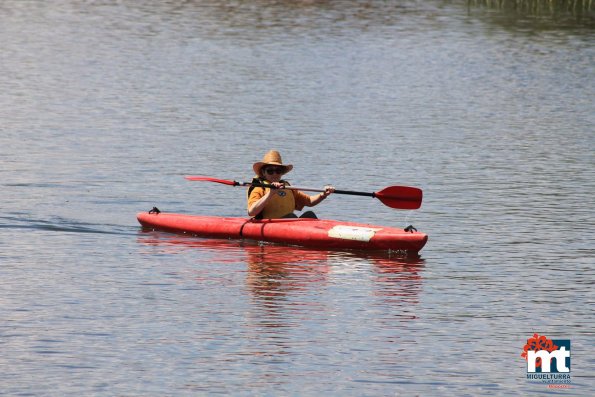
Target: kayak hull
{"x":305,"y":232}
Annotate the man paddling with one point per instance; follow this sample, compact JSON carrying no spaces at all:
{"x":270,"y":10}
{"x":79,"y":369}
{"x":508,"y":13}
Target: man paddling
{"x":277,"y":202}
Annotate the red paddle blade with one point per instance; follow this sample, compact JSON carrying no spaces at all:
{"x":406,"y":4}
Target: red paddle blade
{"x":209,"y":179}
{"x":401,"y":197}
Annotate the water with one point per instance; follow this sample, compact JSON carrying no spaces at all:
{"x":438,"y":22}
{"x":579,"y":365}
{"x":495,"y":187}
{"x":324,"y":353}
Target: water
{"x":105,"y":106}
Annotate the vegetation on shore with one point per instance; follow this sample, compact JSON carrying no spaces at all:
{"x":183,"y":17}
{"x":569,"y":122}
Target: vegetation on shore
{"x":538,"y":6}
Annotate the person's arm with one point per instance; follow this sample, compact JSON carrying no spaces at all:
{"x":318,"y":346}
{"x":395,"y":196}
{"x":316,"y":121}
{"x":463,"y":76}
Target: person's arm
{"x":317,"y":198}
{"x":255,"y":204}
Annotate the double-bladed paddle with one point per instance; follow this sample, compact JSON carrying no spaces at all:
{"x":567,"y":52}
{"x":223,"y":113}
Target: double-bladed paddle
{"x":400,"y":197}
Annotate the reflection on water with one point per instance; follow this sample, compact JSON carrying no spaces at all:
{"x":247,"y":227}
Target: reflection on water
{"x":275,"y":273}
{"x":399,"y":280}
{"x":300,"y":310}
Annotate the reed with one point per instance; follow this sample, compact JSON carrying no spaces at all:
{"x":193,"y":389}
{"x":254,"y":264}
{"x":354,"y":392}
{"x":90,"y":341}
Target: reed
{"x":538,"y":6}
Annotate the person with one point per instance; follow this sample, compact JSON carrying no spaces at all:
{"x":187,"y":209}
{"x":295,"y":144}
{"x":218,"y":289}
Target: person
{"x":277,"y":202}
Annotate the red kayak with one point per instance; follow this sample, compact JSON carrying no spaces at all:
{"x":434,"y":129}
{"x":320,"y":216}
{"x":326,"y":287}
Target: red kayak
{"x":305,"y":232}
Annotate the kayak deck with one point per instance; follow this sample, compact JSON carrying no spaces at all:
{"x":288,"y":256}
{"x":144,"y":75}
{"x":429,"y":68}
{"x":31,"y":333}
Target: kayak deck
{"x":305,"y":232}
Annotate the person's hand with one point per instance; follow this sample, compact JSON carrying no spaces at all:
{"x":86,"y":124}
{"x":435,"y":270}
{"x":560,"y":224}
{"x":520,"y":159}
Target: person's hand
{"x":277,"y":185}
{"x":328,"y":189}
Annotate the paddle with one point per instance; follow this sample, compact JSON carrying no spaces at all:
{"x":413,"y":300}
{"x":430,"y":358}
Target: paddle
{"x":400,"y":197}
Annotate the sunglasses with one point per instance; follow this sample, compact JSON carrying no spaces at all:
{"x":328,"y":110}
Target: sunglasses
{"x":274,"y":170}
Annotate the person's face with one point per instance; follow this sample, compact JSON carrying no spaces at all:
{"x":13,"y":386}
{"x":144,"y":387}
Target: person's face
{"x":273,"y":173}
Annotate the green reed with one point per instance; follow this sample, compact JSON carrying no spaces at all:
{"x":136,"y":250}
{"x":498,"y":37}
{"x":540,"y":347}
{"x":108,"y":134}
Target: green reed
{"x":537,"y":6}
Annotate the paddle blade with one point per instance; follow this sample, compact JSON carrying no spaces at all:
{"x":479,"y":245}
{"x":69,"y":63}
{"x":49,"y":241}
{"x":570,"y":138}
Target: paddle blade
{"x":400,"y":197}
{"x":209,"y":179}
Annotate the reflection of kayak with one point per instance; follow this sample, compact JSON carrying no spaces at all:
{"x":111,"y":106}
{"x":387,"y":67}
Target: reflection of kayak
{"x":296,"y":231}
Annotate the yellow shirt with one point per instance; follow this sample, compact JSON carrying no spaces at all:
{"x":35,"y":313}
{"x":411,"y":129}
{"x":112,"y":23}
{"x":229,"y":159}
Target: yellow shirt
{"x":282,"y":202}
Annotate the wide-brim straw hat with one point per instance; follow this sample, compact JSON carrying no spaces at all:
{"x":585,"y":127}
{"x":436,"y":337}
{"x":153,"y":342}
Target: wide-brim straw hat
{"x":272,"y":157}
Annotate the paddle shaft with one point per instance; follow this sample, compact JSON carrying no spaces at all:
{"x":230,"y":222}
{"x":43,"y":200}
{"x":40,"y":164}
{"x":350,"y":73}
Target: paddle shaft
{"x":355,"y":193}
{"x":308,"y":189}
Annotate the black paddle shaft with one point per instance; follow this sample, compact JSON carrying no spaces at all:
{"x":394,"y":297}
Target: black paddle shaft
{"x":355,"y":193}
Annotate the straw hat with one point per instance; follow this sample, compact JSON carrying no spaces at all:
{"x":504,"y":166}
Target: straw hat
{"x":272,"y":157}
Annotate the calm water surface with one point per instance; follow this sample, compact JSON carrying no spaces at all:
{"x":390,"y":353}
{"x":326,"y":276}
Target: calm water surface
{"x":105,"y":106}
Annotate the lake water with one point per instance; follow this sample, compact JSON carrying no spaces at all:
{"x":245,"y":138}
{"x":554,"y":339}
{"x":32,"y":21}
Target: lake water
{"x":106,"y":105}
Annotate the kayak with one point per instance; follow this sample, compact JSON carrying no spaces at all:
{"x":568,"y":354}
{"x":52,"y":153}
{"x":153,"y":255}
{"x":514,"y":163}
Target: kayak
{"x":307,"y":232}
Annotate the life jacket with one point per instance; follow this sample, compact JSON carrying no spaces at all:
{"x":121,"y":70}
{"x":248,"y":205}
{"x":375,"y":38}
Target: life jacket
{"x":280,"y":204}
